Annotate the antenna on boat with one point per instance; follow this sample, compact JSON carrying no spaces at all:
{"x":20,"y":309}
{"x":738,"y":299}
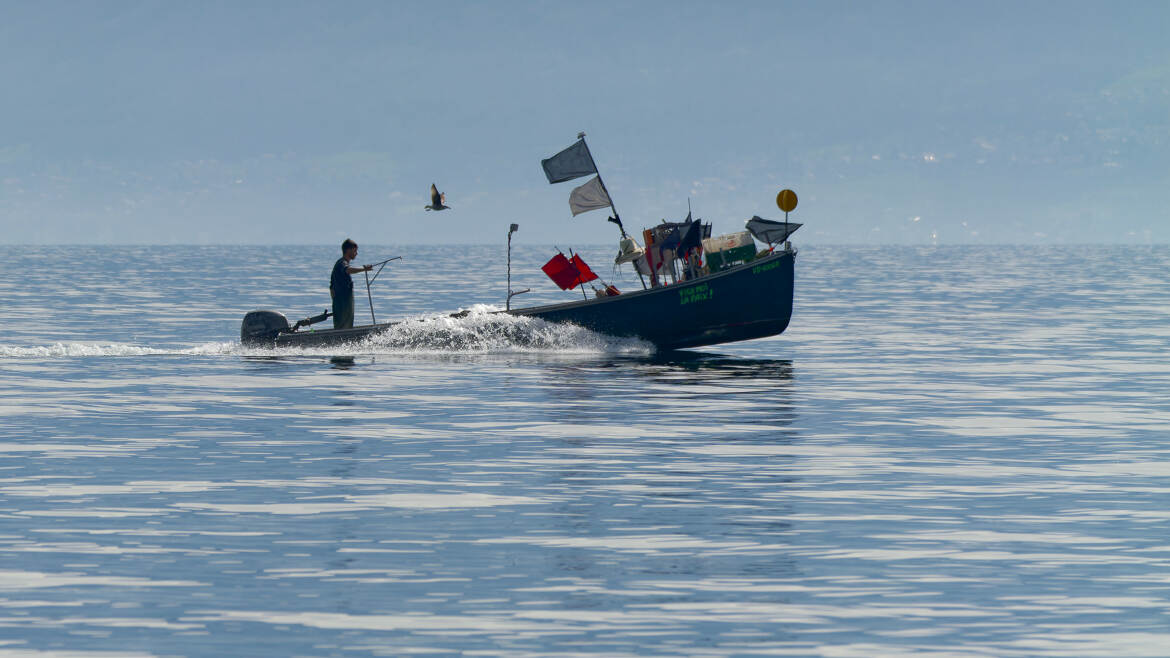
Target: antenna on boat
{"x":508,"y":303}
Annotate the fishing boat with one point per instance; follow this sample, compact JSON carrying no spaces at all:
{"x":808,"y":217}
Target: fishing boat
{"x":752,"y":300}
{"x":698,"y":290}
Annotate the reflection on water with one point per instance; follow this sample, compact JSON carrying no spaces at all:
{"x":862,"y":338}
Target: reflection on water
{"x":342,"y":362}
{"x":951,"y":451}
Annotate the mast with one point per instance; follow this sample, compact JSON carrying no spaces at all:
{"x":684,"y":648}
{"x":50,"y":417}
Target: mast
{"x":616,"y":215}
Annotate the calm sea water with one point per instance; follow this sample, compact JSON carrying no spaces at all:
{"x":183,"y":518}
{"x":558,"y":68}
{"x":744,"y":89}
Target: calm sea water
{"x":952,"y":451}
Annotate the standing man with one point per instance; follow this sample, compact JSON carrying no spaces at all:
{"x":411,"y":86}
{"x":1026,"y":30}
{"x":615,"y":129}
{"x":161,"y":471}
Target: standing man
{"x":341,"y":285}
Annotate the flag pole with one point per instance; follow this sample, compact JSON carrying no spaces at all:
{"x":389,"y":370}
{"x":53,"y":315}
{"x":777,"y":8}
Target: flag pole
{"x":616,"y":215}
{"x":579,"y":281}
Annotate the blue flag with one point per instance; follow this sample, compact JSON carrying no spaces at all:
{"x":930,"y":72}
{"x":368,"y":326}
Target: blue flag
{"x":573,"y":162}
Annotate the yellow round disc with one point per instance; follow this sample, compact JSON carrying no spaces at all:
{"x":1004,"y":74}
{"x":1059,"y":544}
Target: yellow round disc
{"x":786,"y":200}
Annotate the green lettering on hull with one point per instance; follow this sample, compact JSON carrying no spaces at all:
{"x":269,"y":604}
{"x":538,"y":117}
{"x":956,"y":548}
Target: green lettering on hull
{"x":694,"y":294}
{"x":760,"y":269}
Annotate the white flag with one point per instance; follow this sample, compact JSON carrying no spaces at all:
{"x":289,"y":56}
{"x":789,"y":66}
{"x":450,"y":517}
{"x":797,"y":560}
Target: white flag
{"x":589,"y":196}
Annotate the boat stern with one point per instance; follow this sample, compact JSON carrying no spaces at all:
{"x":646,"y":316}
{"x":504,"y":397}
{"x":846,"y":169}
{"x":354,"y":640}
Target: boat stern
{"x":261,"y":327}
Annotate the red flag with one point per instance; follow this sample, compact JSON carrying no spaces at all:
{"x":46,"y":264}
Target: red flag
{"x":584,"y":274}
{"x":568,"y":273}
{"x":561,"y":271}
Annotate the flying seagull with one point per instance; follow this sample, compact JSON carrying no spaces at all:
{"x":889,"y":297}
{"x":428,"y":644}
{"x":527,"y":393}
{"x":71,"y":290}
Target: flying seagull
{"x":437,"y":199}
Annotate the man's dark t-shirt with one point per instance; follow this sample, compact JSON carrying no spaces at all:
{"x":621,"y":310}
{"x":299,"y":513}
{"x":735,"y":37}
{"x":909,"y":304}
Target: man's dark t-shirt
{"x":341,"y":283}
{"x":341,"y":286}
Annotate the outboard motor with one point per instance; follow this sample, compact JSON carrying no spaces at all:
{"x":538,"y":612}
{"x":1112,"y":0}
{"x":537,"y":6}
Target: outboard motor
{"x":262,"y":327}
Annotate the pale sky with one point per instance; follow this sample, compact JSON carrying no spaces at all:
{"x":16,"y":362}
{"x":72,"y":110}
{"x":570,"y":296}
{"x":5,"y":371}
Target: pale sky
{"x":306,"y":122}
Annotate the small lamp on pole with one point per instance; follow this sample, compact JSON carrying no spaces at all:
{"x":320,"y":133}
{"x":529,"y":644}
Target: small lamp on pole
{"x":508,"y":303}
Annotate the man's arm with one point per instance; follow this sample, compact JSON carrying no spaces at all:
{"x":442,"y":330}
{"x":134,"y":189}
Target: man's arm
{"x":363,"y":268}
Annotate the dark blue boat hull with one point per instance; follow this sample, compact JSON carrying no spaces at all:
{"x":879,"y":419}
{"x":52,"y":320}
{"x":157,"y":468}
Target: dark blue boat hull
{"x":747,"y":301}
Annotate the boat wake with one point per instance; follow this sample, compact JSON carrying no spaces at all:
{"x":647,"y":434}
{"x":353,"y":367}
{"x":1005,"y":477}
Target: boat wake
{"x":482,"y":331}
{"x":479,"y":331}
{"x":99,"y":349}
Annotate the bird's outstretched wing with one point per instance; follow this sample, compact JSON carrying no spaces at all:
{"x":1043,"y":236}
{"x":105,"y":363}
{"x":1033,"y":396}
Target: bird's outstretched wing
{"x":438,"y":199}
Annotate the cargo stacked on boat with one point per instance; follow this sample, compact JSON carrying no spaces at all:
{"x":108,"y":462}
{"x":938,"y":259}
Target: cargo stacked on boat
{"x":726,"y":250}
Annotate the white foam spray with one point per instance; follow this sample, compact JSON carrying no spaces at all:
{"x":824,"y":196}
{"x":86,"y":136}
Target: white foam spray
{"x":480,"y":331}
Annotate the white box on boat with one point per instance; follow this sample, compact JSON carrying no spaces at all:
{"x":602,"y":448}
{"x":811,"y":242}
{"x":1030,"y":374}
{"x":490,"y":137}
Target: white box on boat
{"x":728,"y":241}
{"x":724,"y":250}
